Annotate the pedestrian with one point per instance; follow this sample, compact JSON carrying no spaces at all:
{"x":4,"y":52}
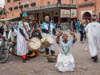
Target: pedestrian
{"x":1,"y":29}
{"x":12,"y":34}
{"x":6,"y":29}
{"x":93,"y":32}
{"x":65,"y":60}
{"x":74,"y":26}
{"x":81,"y":30}
{"x":78,"y":25}
{"x":23,"y":37}
{"x":35,"y":32}
{"x":48,"y":27}
{"x":85,"y":36}
{"x":71,"y":26}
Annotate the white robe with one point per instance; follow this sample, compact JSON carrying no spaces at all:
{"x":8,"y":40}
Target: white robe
{"x":93,"y":30}
{"x":65,"y":60}
{"x":22,"y":43}
{"x":11,"y":34}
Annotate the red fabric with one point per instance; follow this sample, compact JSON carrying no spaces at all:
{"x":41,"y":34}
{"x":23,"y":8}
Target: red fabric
{"x":25,"y":27}
{"x":36,"y":52}
{"x":24,"y":57}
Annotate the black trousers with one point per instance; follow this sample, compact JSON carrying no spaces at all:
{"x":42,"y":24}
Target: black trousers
{"x":85,"y":35}
{"x":81,"y":35}
{"x":47,"y":51}
{"x":95,"y":59}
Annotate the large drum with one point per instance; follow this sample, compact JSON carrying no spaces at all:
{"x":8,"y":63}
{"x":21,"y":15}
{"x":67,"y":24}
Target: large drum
{"x":46,"y":40}
{"x":34,"y":44}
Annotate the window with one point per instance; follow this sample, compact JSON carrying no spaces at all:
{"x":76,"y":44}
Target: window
{"x":71,"y":1}
{"x":1,"y":12}
{"x":16,"y":0}
{"x":16,"y":7}
{"x":59,"y":1}
{"x":21,"y":6}
{"x":26,"y":5}
{"x":10,"y":8}
{"x":48,"y":2}
{"x":85,"y":0}
{"x":8,"y":1}
{"x":33,"y":4}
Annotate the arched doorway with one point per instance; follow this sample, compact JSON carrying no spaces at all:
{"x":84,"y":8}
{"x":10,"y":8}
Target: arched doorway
{"x":87,"y":16}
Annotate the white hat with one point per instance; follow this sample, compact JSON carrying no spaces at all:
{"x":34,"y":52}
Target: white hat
{"x":46,"y":16}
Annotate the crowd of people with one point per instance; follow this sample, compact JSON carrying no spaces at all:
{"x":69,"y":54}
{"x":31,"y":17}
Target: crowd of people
{"x":65,"y":60}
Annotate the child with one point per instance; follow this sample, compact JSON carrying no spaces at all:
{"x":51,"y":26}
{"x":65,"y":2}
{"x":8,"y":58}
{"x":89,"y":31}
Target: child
{"x":65,"y":60}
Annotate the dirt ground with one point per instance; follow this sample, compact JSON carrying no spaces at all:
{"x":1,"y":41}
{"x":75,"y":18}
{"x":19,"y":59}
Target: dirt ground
{"x":40,"y":65}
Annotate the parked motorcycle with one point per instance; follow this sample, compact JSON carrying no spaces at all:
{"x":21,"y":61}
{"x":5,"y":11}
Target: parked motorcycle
{"x":4,"y":52}
{"x":7,"y":47}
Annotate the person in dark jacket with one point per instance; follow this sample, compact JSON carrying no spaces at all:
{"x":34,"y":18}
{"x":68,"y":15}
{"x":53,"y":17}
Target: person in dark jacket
{"x":81,"y":30}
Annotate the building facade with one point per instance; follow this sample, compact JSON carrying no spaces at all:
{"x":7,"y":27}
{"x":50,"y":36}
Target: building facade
{"x":13,"y":8}
{"x":86,"y":8}
{"x":2,"y":13}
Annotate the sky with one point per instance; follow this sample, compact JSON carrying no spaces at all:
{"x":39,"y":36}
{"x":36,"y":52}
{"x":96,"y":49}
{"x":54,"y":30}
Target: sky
{"x":2,"y":2}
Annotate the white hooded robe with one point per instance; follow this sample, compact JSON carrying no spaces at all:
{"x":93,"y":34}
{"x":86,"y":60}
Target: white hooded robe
{"x":93,"y":30}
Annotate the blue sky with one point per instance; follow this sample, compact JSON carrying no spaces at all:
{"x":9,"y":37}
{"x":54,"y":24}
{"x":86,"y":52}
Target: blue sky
{"x":2,"y":3}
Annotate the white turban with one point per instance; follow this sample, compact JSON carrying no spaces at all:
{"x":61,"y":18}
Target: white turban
{"x":46,"y":16}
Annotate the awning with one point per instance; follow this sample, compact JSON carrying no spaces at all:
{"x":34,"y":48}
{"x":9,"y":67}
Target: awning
{"x":51,"y":6}
{"x":10,"y":19}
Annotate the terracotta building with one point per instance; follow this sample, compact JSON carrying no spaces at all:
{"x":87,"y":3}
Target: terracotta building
{"x":2,"y":13}
{"x":86,"y":8}
{"x":58,"y":10}
{"x":37,"y":9}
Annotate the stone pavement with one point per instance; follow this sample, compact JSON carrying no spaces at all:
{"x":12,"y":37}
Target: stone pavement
{"x":40,"y":66}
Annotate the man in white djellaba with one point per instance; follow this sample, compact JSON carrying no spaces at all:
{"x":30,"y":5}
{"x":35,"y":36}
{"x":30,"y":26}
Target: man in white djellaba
{"x":93,"y":32}
{"x":65,"y":60}
{"x":23,"y":37}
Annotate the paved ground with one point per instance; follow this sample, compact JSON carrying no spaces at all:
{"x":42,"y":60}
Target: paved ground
{"x":40,"y":66}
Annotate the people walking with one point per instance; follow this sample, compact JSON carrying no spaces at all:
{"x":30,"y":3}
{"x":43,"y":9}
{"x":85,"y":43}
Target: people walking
{"x":93,"y":32}
{"x":74,"y":26}
{"x":78,"y":25}
{"x":81,"y":30}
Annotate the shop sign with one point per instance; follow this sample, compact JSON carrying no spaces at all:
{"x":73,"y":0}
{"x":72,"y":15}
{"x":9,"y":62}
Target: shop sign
{"x":65,"y":13}
{"x":73,"y":13}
